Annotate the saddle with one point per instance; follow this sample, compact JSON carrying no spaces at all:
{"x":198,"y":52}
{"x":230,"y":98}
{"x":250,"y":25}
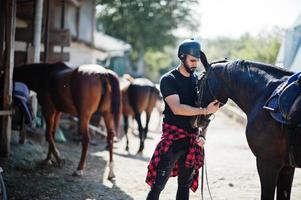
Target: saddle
{"x":20,"y":98}
{"x":285,"y":102}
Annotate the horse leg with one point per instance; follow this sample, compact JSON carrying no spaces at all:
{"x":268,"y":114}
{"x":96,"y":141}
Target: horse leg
{"x":84,"y":131}
{"x":49,"y":118}
{"x":110,"y":140}
{"x":148,"y":115}
{"x":141,"y":132}
{"x":284,"y":184}
{"x":55,"y":151}
{"x":268,"y":174}
{"x":125,"y":127}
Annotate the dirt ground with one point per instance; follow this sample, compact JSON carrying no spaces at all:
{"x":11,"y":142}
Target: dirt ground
{"x":230,"y":164}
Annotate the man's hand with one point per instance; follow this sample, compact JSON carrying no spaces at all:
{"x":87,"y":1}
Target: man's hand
{"x":212,"y":107}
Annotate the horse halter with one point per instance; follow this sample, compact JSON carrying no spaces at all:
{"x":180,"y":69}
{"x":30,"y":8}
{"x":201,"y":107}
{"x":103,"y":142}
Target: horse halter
{"x":203,"y":120}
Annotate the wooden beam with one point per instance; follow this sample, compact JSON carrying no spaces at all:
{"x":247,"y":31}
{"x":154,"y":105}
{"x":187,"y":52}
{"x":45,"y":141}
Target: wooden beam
{"x":8,"y":74}
{"x":63,"y":21}
{"x":6,"y":112}
{"x":37,"y":29}
{"x":55,"y":57}
{"x":46,"y":32}
{"x":2,"y":29}
{"x":22,"y":57}
{"x":56,"y":36}
{"x":60,"y":37}
{"x":93,"y":17}
{"x":25,"y":10}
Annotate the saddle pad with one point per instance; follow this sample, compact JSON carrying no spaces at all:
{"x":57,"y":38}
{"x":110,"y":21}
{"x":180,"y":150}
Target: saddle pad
{"x":272,"y":105}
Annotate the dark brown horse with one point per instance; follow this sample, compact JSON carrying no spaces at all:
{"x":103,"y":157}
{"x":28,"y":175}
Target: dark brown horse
{"x":139,"y":95}
{"x":79,"y":92}
{"x":249,"y":85}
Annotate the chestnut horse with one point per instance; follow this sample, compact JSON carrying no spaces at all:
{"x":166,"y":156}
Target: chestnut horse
{"x":249,"y":85}
{"x":79,"y":92}
{"x":139,"y":95}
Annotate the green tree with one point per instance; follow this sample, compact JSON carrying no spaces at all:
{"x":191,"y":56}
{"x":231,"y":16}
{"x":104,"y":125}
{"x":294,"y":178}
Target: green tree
{"x":262,"y":48}
{"x":146,"y":24}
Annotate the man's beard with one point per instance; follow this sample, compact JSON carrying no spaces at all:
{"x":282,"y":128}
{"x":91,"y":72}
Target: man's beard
{"x":186,"y":67}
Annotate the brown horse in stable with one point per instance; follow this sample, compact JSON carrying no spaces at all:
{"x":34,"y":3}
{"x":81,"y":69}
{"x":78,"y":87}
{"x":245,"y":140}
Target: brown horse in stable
{"x":137,"y":96}
{"x":79,"y":92}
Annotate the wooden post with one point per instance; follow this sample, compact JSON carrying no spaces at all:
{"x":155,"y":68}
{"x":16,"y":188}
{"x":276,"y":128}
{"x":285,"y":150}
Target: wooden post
{"x":2,"y":29}
{"x":37,"y":29}
{"x":77,"y":22}
{"x":63,"y":22}
{"x":46,"y":39}
{"x":8,"y":74}
{"x":93,"y":22}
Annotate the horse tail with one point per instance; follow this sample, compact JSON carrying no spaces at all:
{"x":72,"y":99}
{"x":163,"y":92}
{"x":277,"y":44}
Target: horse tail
{"x":115,"y":98}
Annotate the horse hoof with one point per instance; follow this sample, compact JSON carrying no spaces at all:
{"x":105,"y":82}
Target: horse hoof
{"x":61,"y":163}
{"x":78,"y":173}
{"x":111,"y":177}
{"x":127,"y":148}
{"x":47,"y":162}
{"x":139,"y":153}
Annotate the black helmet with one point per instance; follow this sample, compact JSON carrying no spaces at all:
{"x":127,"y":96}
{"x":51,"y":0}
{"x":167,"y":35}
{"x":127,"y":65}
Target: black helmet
{"x":189,"y":47}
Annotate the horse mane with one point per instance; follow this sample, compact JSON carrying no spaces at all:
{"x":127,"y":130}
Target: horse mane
{"x":269,"y":69}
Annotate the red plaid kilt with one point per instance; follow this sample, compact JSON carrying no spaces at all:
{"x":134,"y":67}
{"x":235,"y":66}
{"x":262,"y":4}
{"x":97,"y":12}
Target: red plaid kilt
{"x":194,"y":158}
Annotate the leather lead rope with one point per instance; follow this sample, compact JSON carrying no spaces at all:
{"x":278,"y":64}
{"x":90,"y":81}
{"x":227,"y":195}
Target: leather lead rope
{"x":204,"y":171}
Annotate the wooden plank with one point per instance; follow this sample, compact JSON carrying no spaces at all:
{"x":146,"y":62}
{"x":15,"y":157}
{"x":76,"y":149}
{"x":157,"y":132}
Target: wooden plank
{"x":61,"y":37}
{"x":30,"y":55}
{"x":55,"y":57}
{"x":6,"y":112}
{"x":8,"y":74}
{"x":21,"y":57}
{"x":25,"y":10}
{"x":24,"y":34}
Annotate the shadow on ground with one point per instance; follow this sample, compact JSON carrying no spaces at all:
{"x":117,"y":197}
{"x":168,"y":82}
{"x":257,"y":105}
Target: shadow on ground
{"x":26,"y":178}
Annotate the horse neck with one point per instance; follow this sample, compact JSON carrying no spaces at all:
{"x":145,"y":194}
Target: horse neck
{"x":33,"y":75}
{"x":245,"y":84}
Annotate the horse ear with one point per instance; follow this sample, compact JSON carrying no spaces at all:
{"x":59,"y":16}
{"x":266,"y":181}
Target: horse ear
{"x":204,"y":61}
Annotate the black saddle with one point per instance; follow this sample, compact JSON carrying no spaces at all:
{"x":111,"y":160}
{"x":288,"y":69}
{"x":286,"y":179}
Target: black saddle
{"x":285,"y":102}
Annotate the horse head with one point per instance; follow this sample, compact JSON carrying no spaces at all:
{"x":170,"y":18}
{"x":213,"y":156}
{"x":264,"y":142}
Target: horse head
{"x":210,"y":87}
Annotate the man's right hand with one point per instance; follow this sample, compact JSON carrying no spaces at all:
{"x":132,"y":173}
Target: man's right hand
{"x":212,"y":107}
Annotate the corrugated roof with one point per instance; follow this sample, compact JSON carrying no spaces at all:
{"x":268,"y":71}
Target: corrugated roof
{"x":110,"y":44}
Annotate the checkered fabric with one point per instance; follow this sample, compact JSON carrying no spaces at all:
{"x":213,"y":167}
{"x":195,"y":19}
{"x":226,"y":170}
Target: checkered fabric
{"x":193,"y":159}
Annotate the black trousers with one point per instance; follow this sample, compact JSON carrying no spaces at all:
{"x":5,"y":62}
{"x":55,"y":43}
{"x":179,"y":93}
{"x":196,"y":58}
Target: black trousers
{"x":177,"y":151}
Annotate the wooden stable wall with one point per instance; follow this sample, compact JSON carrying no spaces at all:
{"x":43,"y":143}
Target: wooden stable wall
{"x":50,"y":36}
{"x":38,"y":15}
{"x":7,"y":63}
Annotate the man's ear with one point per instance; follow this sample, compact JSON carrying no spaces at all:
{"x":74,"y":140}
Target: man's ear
{"x":204,"y":61}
